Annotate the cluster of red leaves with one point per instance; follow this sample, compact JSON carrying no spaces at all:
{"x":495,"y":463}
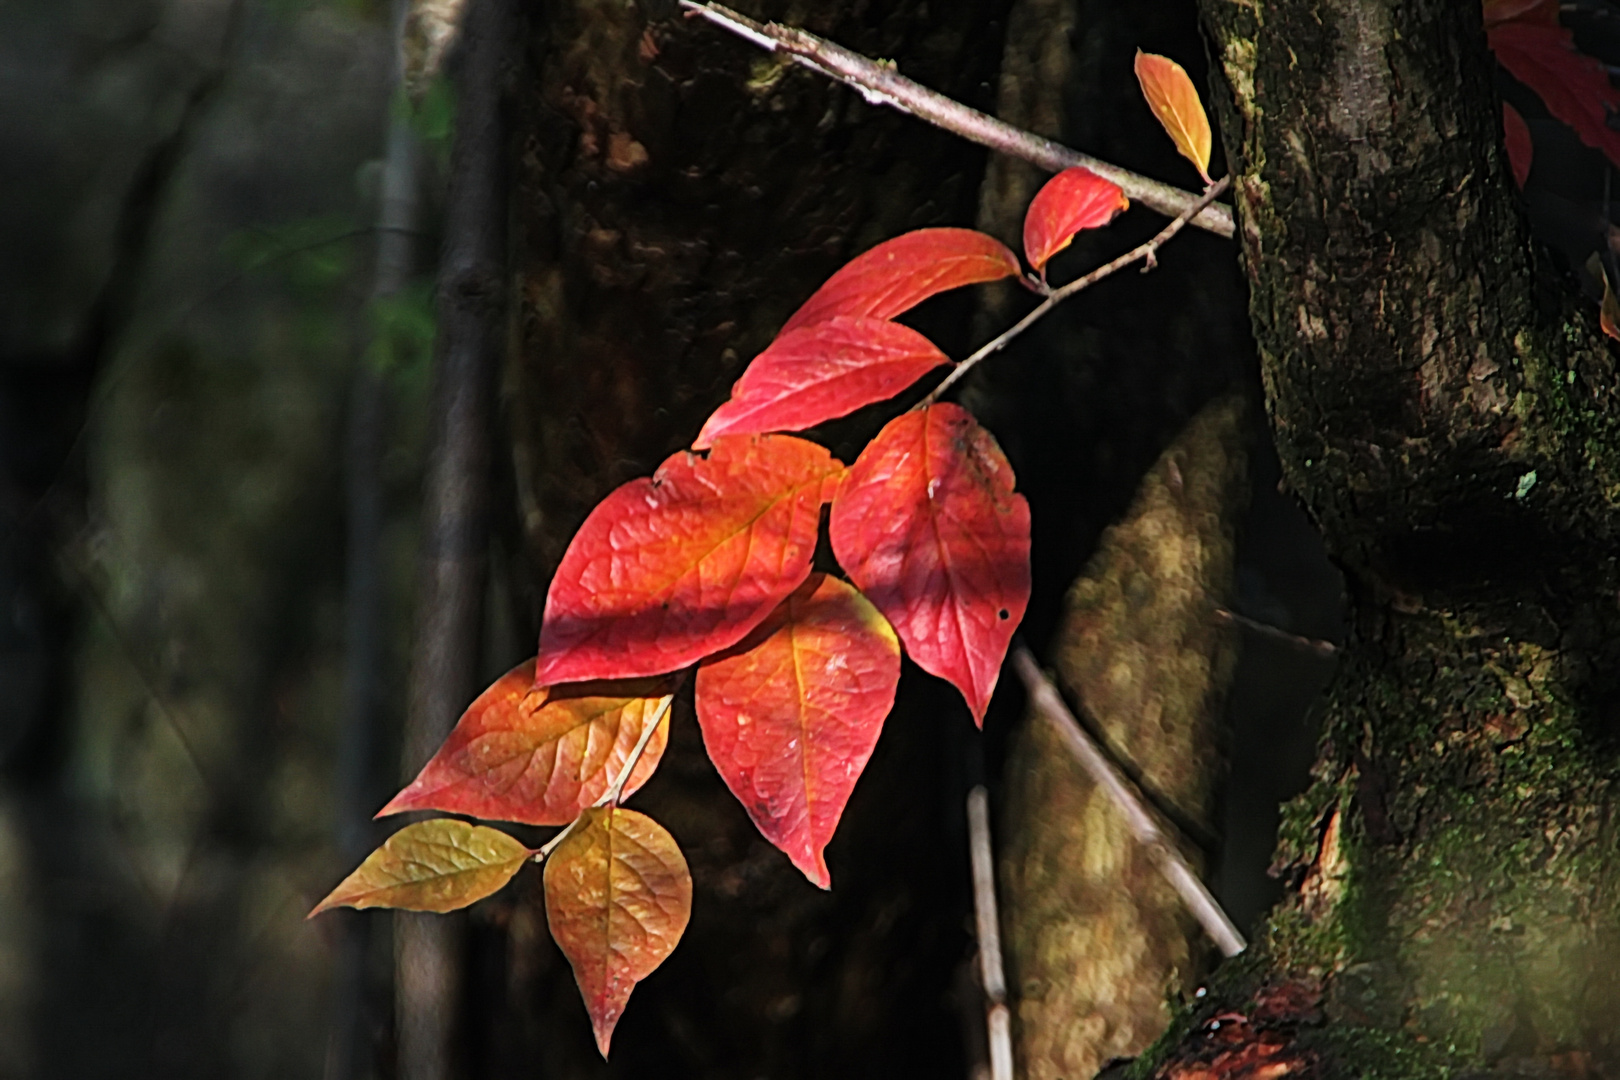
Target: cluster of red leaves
{"x":707,"y":564}
{"x":1529,"y":41}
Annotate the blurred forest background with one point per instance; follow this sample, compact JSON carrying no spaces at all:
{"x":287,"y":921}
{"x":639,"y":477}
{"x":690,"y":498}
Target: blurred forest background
{"x":189,"y":320}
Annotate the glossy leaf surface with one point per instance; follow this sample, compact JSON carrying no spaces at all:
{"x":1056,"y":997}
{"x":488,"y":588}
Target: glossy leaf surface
{"x":822,"y":371}
{"x":671,"y":568}
{"x":1072,"y":200}
{"x":899,"y":274}
{"x":928,"y":526}
{"x":1174,"y":100}
{"x":438,"y":865}
{"x":791,"y":714}
{"x":1520,"y":149}
{"x":1541,"y":54}
{"x":618,"y":896}
{"x":522,"y":753}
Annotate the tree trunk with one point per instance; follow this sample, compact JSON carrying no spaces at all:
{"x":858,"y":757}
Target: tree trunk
{"x":1451,"y":423}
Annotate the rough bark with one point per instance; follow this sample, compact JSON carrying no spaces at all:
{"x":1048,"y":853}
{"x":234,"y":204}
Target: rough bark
{"x":1099,"y":939}
{"x":1449,"y":420}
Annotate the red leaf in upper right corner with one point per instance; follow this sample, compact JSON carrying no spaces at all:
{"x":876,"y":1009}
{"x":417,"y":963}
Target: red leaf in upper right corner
{"x":822,"y":371}
{"x":1072,"y":200}
{"x":1574,"y":87}
{"x":928,"y":526}
{"x":1516,"y":137}
{"x":899,"y":274}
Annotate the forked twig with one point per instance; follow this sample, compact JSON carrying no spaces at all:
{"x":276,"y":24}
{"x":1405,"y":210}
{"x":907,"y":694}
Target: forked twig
{"x":881,"y":84}
{"x":1049,"y":703}
{"x":1146,"y":252}
{"x":987,"y":923}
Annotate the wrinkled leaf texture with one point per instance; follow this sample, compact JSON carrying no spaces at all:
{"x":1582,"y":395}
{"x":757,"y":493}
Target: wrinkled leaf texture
{"x":899,"y":274}
{"x":1529,"y":42}
{"x":927,"y":525}
{"x":822,"y":371}
{"x":790,"y":715}
{"x":1174,"y":100}
{"x":671,"y":568}
{"x":528,"y":754}
{"x":618,"y":896}
{"x":1072,"y":200}
{"x":437,"y":865}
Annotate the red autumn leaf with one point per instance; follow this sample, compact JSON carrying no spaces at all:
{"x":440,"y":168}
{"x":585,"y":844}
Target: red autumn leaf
{"x":1174,"y":100}
{"x":1072,"y":200}
{"x":822,"y":371}
{"x":437,"y":865}
{"x":671,"y":568}
{"x":618,"y":896}
{"x":1516,"y":137}
{"x":1574,"y":87}
{"x":791,"y":714}
{"x":522,"y":753}
{"x":899,"y":274}
{"x":1537,"y":11}
{"x":927,"y":525}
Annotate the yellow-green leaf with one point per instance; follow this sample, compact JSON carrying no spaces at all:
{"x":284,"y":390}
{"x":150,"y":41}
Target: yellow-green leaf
{"x":437,"y":865}
{"x":1171,"y":96}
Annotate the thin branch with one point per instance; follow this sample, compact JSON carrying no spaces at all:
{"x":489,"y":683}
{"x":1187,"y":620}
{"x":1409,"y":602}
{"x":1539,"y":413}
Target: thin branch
{"x":1315,"y":646}
{"x":988,"y":924}
{"x":1147,"y":252}
{"x":881,"y":84}
{"x":1049,"y":703}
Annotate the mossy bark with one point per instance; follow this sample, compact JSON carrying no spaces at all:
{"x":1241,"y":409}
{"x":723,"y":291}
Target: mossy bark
{"x":1450,"y":422}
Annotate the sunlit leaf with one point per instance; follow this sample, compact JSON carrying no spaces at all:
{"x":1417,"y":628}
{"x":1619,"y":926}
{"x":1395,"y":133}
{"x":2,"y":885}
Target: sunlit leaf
{"x":822,"y":371}
{"x":522,"y":753}
{"x":899,"y":274}
{"x":1575,"y":87}
{"x":618,"y":896}
{"x":438,"y":865}
{"x":928,"y":526}
{"x":1174,"y":100}
{"x":791,"y":714}
{"x":1072,"y":200}
{"x":669,"y":569}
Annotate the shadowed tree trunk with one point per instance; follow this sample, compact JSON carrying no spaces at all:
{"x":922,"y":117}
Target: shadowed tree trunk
{"x":1449,"y":418}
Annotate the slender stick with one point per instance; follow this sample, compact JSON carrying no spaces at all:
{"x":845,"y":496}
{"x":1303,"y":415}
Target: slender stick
{"x":1315,"y":646}
{"x":988,"y":924}
{"x":1147,"y":252}
{"x":1049,"y":703}
{"x":881,"y":84}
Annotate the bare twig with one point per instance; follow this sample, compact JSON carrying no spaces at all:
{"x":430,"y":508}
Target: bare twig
{"x":1146,"y":252}
{"x":988,"y":925}
{"x":1315,"y":646}
{"x":1049,"y":703}
{"x":881,"y":84}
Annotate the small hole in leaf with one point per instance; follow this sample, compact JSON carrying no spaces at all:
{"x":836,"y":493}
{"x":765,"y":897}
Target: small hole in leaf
{"x":1003,"y":614}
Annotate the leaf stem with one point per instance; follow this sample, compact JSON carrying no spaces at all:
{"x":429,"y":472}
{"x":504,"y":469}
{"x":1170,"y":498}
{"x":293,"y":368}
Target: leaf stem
{"x":1146,"y":252}
{"x":615,"y":789}
{"x":1160,"y":848}
{"x":881,"y":84}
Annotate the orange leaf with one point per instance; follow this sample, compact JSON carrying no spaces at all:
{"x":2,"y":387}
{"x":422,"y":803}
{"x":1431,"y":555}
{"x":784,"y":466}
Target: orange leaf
{"x":669,"y":569}
{"x":618,"y":896}
{"x":1516,"y":137}
{"x":437,"y":865}
{"x":1072,"y":200}
{"x":1171,"y":96}
{"x":928,"y":527}
{"x":899,"y":274}
{"x":791,"y":714}
{"x":522,"y":754}
{"x":821,"y":371}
